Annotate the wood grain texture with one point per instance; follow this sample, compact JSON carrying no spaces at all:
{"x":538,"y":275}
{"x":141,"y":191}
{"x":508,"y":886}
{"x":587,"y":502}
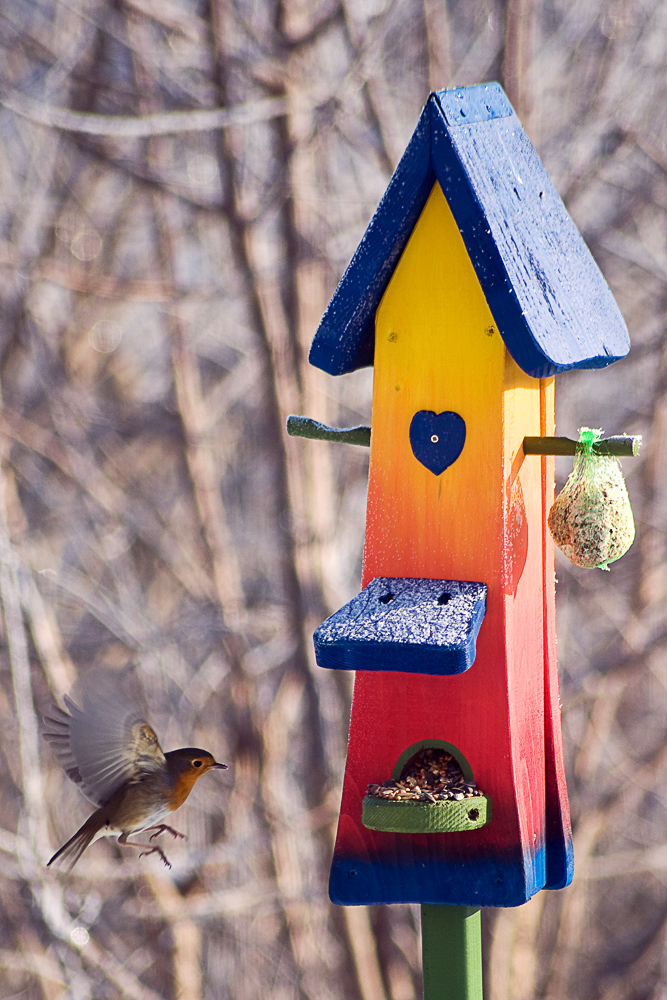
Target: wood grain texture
{"x":452,"y":953}
{"x":553,"y":307}
{"x":437,"y":348}
{"x":559,"y":855}
{"x":425,"y":817}
{"x":548,"y":298}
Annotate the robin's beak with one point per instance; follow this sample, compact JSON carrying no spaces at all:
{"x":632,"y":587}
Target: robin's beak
{"x":223,"y":767}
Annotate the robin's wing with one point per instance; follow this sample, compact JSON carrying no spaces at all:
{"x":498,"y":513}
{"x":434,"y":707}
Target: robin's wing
{"x":103,"y":745}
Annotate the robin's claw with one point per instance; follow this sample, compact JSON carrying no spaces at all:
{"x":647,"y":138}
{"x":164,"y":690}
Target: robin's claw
{"x":154,"y":849}
{"x":163,"y":828}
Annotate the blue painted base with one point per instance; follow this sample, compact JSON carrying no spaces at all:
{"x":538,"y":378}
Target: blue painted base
{"x":560,"y":863}
{"x":509,"y":880}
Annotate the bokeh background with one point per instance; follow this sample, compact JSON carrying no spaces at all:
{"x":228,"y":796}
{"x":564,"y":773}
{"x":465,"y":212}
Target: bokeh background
{"x":181,"y":186}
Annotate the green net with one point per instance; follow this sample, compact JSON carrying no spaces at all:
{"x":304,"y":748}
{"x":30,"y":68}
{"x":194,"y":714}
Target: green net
{"x":591,"y":519}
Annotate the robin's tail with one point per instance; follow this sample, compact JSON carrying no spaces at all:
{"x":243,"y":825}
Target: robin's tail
{"x":70,"y":852}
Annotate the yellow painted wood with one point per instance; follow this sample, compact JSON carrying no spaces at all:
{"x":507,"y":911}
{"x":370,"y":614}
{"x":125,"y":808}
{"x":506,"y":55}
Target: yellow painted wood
{"x":437,"y":348}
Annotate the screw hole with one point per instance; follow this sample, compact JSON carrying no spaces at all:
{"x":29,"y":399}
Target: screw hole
{"x":444,"y":599}
{"x":386,"y":598}
{"x":541,"y":194}
{"x":473,"y":814}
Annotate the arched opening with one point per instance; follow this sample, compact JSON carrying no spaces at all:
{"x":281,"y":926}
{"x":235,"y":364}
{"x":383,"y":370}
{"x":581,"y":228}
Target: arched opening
{"x":413,"y":750}
{"x":432,"y":790}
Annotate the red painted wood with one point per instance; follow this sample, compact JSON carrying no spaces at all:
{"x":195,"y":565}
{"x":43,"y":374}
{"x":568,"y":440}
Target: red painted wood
{"x":483,"y":519}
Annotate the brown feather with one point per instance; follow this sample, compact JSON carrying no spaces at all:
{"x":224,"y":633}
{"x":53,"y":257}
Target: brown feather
{"x":76,"y":845}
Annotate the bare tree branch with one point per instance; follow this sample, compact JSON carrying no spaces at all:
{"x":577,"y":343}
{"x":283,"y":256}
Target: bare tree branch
{"x":168,"y":123}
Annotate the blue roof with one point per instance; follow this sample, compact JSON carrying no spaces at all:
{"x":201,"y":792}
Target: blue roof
{"x":548,"y":297}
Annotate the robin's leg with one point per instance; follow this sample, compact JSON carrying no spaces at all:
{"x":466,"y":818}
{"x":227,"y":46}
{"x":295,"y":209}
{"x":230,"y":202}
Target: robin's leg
{"x":162,"y":828}
{"x":146,"y":848}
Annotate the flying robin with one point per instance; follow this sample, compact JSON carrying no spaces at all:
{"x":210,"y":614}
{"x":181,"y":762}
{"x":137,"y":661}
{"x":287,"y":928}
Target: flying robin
{"x":113,"y":754}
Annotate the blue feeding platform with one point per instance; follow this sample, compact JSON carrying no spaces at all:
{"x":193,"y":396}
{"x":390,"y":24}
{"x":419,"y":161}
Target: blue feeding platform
{"x":410,"y":625}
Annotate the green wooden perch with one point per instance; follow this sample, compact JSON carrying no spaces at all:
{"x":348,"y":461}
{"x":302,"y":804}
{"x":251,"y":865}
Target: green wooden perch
{"x":306,"y":427}
{"x":620,"y":446}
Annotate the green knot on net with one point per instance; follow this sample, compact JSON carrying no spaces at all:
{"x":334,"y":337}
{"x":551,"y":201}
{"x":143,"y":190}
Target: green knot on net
{"x":587,"y":438}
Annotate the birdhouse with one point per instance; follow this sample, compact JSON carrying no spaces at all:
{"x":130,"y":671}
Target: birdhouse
{"x":469,"y":292}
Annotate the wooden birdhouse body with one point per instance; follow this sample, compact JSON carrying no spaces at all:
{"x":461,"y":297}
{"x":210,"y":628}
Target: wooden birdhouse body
{"x":449,"y":309}
{"x":437,"y":349}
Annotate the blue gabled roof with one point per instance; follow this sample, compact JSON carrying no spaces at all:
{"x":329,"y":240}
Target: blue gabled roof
{"x":548,"y":297}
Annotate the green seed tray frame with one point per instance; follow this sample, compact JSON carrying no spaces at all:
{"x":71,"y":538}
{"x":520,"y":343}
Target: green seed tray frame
{"x":410,"y":816}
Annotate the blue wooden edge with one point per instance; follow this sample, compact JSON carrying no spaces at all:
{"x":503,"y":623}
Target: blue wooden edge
{"x":401,"y":875}
{"x":547,"y":295}
{"x":486,"y":878}
{"x":410,"y":625}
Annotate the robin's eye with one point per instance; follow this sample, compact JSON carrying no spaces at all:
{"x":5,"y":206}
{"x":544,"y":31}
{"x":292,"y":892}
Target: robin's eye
{"x":197,"y":763}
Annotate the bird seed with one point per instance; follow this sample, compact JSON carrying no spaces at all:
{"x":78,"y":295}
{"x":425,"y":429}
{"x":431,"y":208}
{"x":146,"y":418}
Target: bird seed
{"x":432,"y":775}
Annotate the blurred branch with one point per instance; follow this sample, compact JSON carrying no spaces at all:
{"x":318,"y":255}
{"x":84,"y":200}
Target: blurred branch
{"x":110,"y":497}
{"x":46,"y":636}
{"x":33,"y":793}
{"x":128,"y":984}
{"x":364,"y":950}
{"x":366,"y":61}
{"x":172,"y":15}
{"x":186,"y":934}
{"x":518,"y":56}
{"x":205,"y":476}
{"x":240,"y":238}
{"x":436,"y":20}
{"x":166,"y":123}
{"x":35,"y":963}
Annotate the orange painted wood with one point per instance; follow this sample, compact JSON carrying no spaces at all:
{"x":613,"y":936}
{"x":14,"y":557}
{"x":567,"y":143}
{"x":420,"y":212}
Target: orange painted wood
{"x":437,"y":348}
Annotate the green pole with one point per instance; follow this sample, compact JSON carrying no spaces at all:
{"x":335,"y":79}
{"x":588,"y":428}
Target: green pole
{"x":452,"y":952}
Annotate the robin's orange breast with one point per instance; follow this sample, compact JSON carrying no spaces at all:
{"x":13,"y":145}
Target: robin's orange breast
{"x":181,"y":787}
